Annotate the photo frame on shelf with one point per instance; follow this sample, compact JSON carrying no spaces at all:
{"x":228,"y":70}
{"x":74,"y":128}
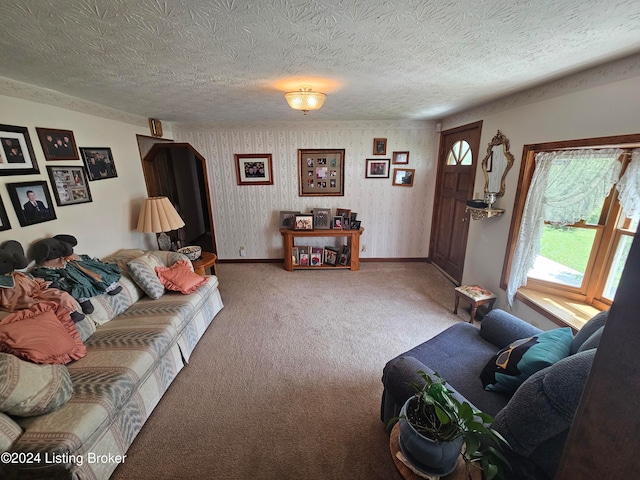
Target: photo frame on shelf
{"x":58,"y":144}
{"x":288,"y":218}
{"x":337,"y":222}
{"x":303,"y":258}
{"x":254,"y":168}
{"x":377,"y":168}
{"x":355,"y":224}
{"x":31,"y":202}
{"x":99,"y":162}
{"x":403,"y":177}
{"x":4,"y":219}
{"x":303,"y":221}
{"x":331,"y":256}
{"x":295,"y":256}
{"x":70,"y":184}
{"x":400,"y":158}
{"x":16,"y":155}
{"x":321,"y":172}
{"x":379,"y":146}
{"x":321,"y":218}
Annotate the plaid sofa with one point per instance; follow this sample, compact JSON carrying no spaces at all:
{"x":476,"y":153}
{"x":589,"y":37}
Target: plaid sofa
{"x":136,"y":346}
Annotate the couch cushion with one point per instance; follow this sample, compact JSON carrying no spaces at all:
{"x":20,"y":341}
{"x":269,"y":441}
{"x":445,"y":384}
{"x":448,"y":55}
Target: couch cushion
{"x":179,"y":277}
{"x":589,"y":328}
{"x":10,"y":431}
{"x":27,"y":390}
{"x":512,"y":365}
{"x":142,"y":270}
{"x":39,"y":336}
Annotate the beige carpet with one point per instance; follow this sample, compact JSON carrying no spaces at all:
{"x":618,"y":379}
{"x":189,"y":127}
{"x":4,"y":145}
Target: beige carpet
{"x":285,"y":384}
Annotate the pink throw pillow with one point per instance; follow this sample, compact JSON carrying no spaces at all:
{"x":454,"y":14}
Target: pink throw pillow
{"x":179,"y":277}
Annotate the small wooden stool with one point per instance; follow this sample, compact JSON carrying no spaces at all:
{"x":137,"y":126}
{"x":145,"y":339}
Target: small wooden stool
{"x":476,"y":296}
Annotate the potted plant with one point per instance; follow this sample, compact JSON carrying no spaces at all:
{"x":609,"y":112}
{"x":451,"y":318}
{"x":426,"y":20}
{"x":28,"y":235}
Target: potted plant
{"x":435,"y":428}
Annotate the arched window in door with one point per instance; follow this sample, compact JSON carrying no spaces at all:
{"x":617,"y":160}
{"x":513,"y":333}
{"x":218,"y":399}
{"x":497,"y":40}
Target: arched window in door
{"x":460,"y":154}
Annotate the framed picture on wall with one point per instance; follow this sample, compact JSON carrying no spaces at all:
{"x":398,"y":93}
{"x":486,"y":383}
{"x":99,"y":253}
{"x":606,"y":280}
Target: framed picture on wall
{"x":16,"y":154}
{"x":401,"y":158}
{"x":70,"y":185}
{"x":4,"y":219}
{"x":377,"y":168}
{"x":379,"y":146}
{"x":58,"y":144}
{"x":403,"y":177}
{"x":99,"y":162}
{"x":254,"y":168}
{"x":320,"y":172}
{"x":32,"y":202}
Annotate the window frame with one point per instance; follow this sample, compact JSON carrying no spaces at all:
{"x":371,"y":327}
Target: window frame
{"x":606,"y":237}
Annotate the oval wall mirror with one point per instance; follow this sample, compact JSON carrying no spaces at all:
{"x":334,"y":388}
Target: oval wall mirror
{"x":497,"y":164}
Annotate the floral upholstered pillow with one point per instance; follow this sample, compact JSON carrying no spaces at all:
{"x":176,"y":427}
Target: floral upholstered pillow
{"x":142,"y":271}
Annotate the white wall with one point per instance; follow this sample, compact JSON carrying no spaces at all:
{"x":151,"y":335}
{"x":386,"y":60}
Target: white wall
{"x":108,"y":222}
{"x":397,"y":220}
{"x":592,"y":111}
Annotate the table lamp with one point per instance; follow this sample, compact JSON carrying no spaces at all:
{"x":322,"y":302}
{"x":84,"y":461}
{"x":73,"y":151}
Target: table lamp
{"x":158,"y":215}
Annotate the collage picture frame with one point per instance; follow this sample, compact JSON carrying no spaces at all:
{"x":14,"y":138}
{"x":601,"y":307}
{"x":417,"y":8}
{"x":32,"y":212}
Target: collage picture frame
{"x":70,"y":184}
{"x":320,"y":172}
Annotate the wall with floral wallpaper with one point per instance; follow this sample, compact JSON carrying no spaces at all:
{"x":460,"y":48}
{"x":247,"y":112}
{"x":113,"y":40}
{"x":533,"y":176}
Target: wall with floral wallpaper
{"x":397,"y":220}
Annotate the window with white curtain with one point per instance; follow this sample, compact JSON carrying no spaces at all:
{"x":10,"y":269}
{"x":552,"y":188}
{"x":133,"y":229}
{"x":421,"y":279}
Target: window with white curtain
{"x":576,"y":221}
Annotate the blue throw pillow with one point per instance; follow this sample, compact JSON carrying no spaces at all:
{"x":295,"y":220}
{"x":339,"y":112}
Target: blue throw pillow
{"x":512,"y":365}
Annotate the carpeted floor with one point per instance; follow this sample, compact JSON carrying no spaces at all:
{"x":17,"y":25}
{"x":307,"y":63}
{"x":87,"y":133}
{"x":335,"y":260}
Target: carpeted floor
{"x":285,"y":384}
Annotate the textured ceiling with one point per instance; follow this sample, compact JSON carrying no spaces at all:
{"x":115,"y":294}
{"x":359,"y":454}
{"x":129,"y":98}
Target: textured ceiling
{"x":232,"y":60}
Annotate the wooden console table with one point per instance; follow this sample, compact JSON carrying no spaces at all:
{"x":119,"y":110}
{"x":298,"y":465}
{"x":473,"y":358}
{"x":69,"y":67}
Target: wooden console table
{"x":353,"y":242}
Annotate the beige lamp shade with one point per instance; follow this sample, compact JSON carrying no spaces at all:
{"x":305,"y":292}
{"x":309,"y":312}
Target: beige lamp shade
{"x":158,"y":215}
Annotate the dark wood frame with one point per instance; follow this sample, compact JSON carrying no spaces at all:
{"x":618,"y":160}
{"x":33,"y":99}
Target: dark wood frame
{"x":5,"y":224}
{"x":7,"y":168}
{"x":18,"y":202}
{"x":57,"y":134}
{"x":371,"y":161}
{"x":401,"y":184}
{"x":246,"y":158}
{"x":304,"y":168}
{"x":87,"y":153}
{"x":71,"y":185}
{"x":379,"y":146}
{"x":396,"y":156}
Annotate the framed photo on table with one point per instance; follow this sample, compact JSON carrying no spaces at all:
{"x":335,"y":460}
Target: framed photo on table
{"x":98,"y":162}
{"x":58,"y":144}
{"x":254,"y":168}
{"x":303,"y":221}
{"x":70,"y":185}
{"x":320,"y":172}
{"x":16,"y":154}
{"x":377,"y":168}
{"x":32,"y":202}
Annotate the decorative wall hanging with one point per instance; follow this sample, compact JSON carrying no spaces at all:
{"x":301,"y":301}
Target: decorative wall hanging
{"x":32,"y":202}
{"x":58,"y":144}
{"x":377,"y":168}
{"x":401,"y":158}
{"x":98,"y":162}
{"x":16,"y":154}
{"x":254,"y":168}
{"x":4,"y":219}
{"x":403,"y":177}
{"x":70,"y":185}
{"x":379,"y":146}
{"x":321,"y":172}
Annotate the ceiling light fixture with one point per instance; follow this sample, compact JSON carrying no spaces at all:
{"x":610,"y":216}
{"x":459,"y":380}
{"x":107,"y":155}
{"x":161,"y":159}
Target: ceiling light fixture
{"x":305,"y":99}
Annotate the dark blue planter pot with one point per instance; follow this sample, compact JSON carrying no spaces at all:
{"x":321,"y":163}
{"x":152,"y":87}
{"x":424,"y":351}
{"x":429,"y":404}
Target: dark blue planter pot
{"x":426,"y":455}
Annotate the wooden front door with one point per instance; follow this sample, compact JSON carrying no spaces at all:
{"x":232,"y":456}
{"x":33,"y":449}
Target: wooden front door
{"x":457,"y":161}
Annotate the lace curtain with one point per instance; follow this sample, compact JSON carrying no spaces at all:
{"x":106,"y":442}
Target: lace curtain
{"x":629,"y":187}
{"x":565,"y":188}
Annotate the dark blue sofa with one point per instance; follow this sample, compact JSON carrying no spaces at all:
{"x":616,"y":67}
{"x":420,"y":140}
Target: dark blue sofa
{"x":536,"y":419}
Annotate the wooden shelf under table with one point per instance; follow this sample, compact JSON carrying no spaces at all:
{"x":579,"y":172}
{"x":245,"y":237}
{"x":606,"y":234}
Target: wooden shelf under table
{"x":353,"y":242}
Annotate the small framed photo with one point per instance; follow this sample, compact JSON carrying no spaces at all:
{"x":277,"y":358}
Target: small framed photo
{"x":58,"y":144}
{"x":377,"y":168}
{"x":379,"y":146}
{"x":254,"y":168}
{"x":16,"y":154}
{"x":70,"y":185}
{"x":401,"y":158}
{"x":32,"y":202}
{"x":295,"y":256}
{"x":287,"y":218}
{"x":355,"y":224}
{"x":322,"y":218}
{"x":303,"y":253}
{"x":343,"y":212}
{"x":4,"y":219}
{"x":331,"y":256}
{"x":303,"y":221}
{"x":99,"y":162}
{"x":403,"y":177}
{"x":337,"y":223}
{"x":343,"y":259}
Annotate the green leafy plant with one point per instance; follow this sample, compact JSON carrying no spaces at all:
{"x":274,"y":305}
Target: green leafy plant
{"x":437,"y":414}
